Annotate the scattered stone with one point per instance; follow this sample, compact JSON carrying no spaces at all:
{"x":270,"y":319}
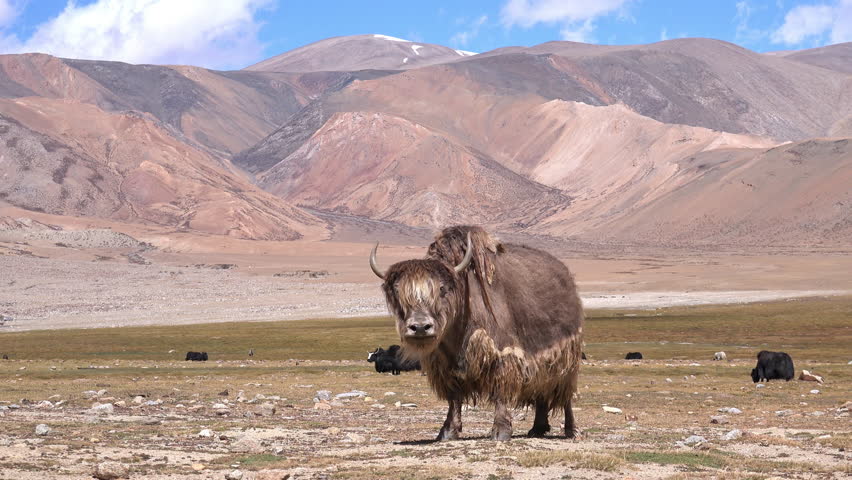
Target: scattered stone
{"x":322,"y":406}
{"x":783,"y":413}
{"x":352,"y":394}
{"x":138,"y":399}
{"x":322,"y":395}
{"x":390,"y":394}
{"x":668,"y":380}
{"x":719,"y":419}
{"x":354,"y":438}
{"x":197,"y":467}
{"x":110,"y":471}
{"x":265,"y":410}
{"x":234,"y":475}
{"x":332,"y":431}
{"x":807,"y":376}
{"x":759,"y":385}
{"x":609,"y":409}
{"x":102,"y":409}
{"x":694,"y":440}
{"x":44,"y":404}
{"x":815,"y":392}
{"x":219,"y":406}
{"x":42,"y":429}
{"x":90,"y":394}
{"x":615,"y":437}
{"x":731,"y":410}
{"x":247,"y":445}
{"x":732,"y":435}
{"x":206,"y":433}
{"x":377,"y":405}
{"x":369,"y":399}
{"x":153,"y":403}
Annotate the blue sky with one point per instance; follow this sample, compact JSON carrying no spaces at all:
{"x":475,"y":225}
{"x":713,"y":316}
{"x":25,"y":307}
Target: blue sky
{"x":236,"y":33}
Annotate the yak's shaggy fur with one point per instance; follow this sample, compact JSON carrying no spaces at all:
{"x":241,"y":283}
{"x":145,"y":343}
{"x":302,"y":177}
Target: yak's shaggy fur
{"x":510,"y":325}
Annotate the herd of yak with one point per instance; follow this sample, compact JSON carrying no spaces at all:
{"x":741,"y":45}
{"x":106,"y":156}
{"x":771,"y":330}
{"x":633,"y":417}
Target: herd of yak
{"x":496,"y":323}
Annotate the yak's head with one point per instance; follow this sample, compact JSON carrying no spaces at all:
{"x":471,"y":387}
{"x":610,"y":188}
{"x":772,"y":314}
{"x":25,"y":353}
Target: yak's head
{"x":754,"y":375}
{"x":425,"y":296}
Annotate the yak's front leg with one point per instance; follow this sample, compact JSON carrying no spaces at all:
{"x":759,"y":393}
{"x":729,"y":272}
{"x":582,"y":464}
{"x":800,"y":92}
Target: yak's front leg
{"x":453,"y":424}
{"x":541,"y":424}
{"x":502,"y":429}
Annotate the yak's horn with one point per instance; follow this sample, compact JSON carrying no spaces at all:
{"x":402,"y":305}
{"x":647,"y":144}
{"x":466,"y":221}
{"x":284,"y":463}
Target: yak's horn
{"x":467,"y":256}
{"x":373,"y":264}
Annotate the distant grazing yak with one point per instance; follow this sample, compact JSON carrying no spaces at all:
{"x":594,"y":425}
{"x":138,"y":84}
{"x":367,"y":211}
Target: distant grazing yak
{"x":491,"y":322}
{"x":5,"y":357}
{"x":771,"y":366}
{"x":633,"y":356}
{"x":720,"y":356}
{"x":196,"y":356}
{"x":391,"y":361}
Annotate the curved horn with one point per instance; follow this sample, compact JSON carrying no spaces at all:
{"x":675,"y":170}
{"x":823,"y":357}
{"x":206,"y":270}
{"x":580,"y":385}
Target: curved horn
{"x":373,"y":264}
{"x":468,"y":256}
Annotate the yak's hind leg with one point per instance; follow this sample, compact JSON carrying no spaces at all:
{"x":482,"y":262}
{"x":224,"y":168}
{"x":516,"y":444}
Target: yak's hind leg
{"x":453,"y":424}
{"x":502,"y":429}
{"x":571,"y":429}
{"x":541,"y":424}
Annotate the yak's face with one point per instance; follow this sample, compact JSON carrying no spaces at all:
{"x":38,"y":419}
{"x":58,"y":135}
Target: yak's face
{"x":754,"y":375}
{"x":424,"y":296}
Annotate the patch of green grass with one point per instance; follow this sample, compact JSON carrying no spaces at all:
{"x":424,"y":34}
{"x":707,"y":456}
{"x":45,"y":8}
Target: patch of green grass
{"x":687,"y":459}
{"x":822,"y":326}
{"x":593,"y":461}
{"x":331,"y":339}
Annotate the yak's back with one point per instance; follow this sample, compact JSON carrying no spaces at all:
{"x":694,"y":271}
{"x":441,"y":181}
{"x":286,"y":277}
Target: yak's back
{"x":526,"y":295}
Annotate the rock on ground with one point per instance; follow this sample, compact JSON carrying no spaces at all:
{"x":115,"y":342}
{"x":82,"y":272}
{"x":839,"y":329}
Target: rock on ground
{"x":110,"y":471}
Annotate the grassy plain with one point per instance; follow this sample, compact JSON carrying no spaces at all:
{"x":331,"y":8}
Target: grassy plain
{"x":665,"y":398}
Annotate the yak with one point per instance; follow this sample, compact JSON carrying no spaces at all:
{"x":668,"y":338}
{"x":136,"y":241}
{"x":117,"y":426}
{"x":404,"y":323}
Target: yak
{"x":633,"y":356}
{"x":196,"y":356}
{"x":491,"y":322}
{"x":391,"y":360}
{"x":772,"y":365}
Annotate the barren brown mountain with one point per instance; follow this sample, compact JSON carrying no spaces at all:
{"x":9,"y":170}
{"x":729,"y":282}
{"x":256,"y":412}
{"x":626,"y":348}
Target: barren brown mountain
{"x":597,"y":143}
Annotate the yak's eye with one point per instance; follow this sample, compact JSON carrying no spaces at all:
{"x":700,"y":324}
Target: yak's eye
{"x":443,"y":291}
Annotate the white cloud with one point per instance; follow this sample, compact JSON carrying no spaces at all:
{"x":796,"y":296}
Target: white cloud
{"x":822,"y":22}
{"x":579,"y":33}
{"x":217,"y":34}
{"x":576,"y":16}
{"x":464,"y":37}
{"x":8,"y":12}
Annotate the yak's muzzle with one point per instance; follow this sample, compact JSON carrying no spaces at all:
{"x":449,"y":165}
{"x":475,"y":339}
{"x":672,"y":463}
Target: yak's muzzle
{"x":419,"y":326}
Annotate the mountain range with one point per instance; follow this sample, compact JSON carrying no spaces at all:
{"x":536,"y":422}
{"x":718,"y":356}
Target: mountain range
{"x":687,"y":142}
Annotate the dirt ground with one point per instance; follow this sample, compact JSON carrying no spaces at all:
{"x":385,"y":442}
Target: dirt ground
{"x":259,"y":417}
{"x":177,"y":280}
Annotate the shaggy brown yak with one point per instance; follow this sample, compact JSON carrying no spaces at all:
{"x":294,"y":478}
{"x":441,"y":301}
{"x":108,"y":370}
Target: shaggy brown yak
{"x":489,"y":321}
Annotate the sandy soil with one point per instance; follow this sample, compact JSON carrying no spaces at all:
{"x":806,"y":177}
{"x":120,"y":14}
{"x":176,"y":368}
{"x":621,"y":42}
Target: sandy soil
{"x":181,"y":279}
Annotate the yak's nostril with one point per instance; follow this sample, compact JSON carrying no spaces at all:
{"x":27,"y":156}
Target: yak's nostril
{"x":413,"y":328}
{"x":427,"y":327}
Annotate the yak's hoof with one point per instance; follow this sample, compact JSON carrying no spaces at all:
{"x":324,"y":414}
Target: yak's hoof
{"x":574,"y":434}
{"x":538,"y":431}
{"x":447,"y":434}
{"x":501,"y":434}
